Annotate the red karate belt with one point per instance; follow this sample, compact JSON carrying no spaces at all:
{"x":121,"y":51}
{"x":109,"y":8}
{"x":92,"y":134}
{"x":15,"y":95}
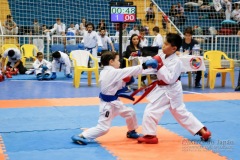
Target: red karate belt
{"x":148,"y":89}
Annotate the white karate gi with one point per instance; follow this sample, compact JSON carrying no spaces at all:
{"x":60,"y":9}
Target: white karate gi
{"x":37,"y":66}
{"x":143,"y":42}
{"x":111,"y":81}
{"x":168,"y":97}
{"x":17,"y":56}
{"x":65,"y":61}
{"x":91,"y":42}
{"x":158,"y":41}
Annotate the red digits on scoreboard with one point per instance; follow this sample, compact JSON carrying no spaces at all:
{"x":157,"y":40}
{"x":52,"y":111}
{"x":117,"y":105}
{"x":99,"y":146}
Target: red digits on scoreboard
{"x":129,"y":17}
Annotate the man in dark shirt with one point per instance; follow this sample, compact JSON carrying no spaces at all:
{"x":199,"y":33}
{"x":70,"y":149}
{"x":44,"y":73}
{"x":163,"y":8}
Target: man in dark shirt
{"x":187,"y":46}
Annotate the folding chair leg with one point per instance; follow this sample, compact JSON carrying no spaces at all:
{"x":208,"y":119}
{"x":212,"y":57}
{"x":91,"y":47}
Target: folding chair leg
{"x":97,"y":77}
{"x":89,"y":78}
{"x":149,"y":79}
{"x":139,"y":80}
{"x":232,"y":78}
{"x":223,"y":78}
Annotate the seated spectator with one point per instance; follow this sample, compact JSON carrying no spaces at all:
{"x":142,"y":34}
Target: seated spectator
{"x":134,"y":31}
{"x":187,"y":46}
{"x":10,"y":27}
{"x":143,"y":40}
{"x":102,"y":24}
{"x":134,"y":49}
{"x":71,"y":32}
{"x":236,"y":13}
{"x":48,"y":39}
{"x":173,"y":12}
{"x":105,"y":41}
{"x":37,"y":41}
{"x":228,"y":10}
{"x":158,"y":40}
{"x":194,"y":3}
{"x":180,"y":9}
{"x":150,"y":13}
{"x":60,"y":29}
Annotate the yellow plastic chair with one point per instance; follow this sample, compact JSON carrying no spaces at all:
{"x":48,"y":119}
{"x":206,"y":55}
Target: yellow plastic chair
{"x":128,"y":64}
{"x":27,"y":51}
{"x":80,"y":64}
{"x":6,"y":46}
{"x":214,"y":58}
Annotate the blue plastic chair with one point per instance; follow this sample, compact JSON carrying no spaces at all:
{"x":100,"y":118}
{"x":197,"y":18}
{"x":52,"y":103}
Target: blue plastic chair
{"x":70,"y":48}
{"x":116,"y":47}
{"x":81,"y":46}
{"x":57,"y":47}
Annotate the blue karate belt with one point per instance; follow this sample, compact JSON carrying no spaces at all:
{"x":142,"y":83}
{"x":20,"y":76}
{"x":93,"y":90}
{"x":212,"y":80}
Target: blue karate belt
{"x":90,"y":49}
{"x":60,"y":68}
{"x":109,"y":98}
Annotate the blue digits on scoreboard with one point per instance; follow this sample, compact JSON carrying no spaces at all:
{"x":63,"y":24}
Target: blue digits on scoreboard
{"x":123,"y":13}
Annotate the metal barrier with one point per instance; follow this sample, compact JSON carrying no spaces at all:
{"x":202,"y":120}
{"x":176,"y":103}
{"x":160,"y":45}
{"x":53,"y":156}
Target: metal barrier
{"x":229,"y":44}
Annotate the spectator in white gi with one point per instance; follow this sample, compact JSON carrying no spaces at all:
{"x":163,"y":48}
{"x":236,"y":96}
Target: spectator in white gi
{"x":143,"y":40}
{"x":60,"y":29}
{"x":71,"y":32}
{"x":9,"y":26}
{"x":91,"y":40}
{"x":158,"y":40}
{"x":134,"y":31}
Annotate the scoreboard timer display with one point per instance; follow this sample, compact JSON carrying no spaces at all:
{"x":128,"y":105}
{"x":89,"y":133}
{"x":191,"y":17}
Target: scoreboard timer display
{"x":126,"y":14}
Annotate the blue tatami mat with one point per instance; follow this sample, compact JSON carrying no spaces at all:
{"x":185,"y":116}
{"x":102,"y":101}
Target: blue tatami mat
{"x":83,"y":153}
{"x":31,"y":119}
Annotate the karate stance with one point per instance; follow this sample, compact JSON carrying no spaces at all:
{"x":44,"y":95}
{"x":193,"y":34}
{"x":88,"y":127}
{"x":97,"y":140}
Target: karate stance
{"x":113,"y":81}
{"x":166,"y":93}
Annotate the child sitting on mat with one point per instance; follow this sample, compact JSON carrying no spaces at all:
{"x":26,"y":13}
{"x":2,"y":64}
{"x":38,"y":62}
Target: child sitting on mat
{"x":42,"y":67}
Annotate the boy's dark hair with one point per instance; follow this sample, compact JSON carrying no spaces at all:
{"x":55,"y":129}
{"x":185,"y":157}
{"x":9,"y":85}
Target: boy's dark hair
{"x":56,"y":54}
{"x":174,"y":39}
{"x":11,"y":53}
{"x":90,"y":24}
{"x":156,"y":29}
{"x":39,"y":54}
{"x":188,"y":30}
{"x":107,"y":56}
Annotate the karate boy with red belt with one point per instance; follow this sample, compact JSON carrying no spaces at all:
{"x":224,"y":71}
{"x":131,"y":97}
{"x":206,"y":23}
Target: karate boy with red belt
{"x":166,"y":93}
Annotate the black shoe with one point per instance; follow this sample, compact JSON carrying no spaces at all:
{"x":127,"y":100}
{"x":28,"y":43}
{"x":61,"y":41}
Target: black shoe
{"x":237,"y":88}
{"x":198,"y":85}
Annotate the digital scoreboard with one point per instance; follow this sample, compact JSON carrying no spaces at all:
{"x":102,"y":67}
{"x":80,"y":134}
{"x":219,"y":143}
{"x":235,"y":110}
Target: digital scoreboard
{"x":126,"y":14}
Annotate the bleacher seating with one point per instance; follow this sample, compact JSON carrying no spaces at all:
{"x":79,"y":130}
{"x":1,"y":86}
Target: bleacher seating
{"x":195,"y":16}
{"x":24,"y":12}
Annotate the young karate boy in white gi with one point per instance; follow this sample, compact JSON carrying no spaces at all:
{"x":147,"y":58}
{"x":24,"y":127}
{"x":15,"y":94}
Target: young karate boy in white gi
{"x":42,"y":67}
{"x":61,"y":61}
{"x":113,"y":81}
{"x":166,"y":93}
